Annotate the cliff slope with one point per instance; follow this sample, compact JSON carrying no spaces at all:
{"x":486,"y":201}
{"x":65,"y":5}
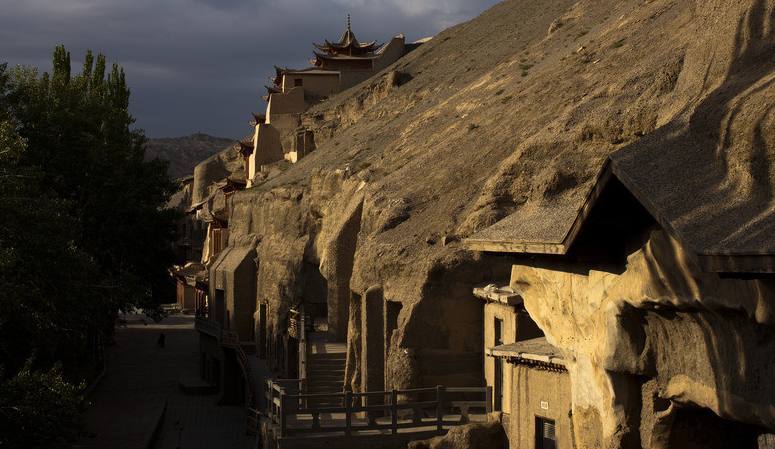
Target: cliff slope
{"x":514,"y":111}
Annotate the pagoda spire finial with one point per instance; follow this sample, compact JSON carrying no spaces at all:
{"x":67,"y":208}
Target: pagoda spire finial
{"x":349,"y":23}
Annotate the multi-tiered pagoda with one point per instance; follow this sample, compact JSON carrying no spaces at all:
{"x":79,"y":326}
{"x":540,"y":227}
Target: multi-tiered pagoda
{"x":347,"y":54}
{"x":348,"y":45}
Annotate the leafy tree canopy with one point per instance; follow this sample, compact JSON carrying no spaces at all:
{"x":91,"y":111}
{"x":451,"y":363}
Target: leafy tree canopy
{"x":38,"y":409}
{"x":84,"y":231}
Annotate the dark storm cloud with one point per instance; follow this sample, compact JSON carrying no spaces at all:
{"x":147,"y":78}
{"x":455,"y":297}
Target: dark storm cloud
{"x":200,"y":65}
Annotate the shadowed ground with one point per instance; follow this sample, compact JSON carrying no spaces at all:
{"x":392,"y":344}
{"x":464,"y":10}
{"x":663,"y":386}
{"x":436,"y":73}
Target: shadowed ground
{"x":141,"y":379}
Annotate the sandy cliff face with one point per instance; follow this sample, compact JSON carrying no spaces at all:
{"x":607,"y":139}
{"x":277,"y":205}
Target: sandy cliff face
{"x":515,"y":109}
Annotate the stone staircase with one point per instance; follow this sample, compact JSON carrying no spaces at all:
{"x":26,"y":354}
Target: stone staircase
{"x":325,"y":369}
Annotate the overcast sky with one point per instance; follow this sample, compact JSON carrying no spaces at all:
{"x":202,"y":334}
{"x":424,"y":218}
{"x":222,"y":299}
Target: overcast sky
{"x":200,"y":65}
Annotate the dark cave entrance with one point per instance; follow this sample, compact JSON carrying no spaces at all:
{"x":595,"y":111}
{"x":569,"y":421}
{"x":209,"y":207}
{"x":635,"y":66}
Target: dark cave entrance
{"x":315,"y":298}
{"x":700,"y":428}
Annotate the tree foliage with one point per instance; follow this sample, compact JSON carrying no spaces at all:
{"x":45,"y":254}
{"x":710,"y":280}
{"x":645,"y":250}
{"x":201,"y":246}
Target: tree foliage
{"x":38,"y":409}
{"x":84,"y":231}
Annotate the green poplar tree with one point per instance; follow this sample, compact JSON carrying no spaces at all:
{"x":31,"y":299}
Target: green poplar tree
{"x":84,"y":231}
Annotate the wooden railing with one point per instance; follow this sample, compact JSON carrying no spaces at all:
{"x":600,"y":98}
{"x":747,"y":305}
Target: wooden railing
{"x":275,"y":388}
{"x":231,"y":340}
{"x":419,"y":409}
{"x":208,"y":327}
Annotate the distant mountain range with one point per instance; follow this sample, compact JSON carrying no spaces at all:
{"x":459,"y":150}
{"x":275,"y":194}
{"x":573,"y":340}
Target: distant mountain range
{"x":184,"y":153}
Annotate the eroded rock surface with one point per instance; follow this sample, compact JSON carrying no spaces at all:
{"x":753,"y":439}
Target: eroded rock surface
{"x":511,"y":111}
{"x":488,"y":435}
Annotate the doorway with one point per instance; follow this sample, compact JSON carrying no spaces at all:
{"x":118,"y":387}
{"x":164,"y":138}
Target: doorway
{"x":498,"y":375}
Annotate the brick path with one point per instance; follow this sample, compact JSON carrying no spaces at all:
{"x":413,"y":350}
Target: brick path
{"x":141,"y":378}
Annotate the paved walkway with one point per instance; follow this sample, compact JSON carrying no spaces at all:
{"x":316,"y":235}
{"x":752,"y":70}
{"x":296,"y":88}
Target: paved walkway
{"x":142,"y":379}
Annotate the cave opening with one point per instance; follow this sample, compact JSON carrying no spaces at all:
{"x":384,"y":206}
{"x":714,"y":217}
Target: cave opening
{"x":700,"y":428}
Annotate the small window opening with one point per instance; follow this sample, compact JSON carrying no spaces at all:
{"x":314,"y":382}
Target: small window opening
{"x":545,"y":435}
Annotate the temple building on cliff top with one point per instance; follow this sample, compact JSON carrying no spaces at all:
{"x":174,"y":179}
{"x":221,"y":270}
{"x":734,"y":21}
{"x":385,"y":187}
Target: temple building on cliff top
{"x":337,"y":66}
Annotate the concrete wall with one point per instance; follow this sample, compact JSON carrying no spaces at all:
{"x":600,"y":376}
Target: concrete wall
{"x":241,"y":297}
{"x":539,"y":393}
{"x":209,"y":351}
{"x":393,"y":50}
{"x":186,"y":296}
{"x":517,"y":326}
{"x":350,"y":78}
{"x":287,"y":102}
{"x":508,"y":315}
{"x":286,"y":125}
{"x":267,"y":149}
{"x":314,"y":85}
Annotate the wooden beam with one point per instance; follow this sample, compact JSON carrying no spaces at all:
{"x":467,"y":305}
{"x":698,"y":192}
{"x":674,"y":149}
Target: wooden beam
{"x":504,"y":246}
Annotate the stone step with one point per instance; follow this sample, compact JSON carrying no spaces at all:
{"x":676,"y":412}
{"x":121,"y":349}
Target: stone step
{"x":333,"y":354}
{"x":326,"y":363}
{"x":326,"y":377}
{"x":311,"y":367}
{"x":327,"y":391}
{"x":325,"y":388}
{"x":325,"y":360}
{"x":322,"y":370}
{"x":312,"y":372}
{"x":328,"y":386}
{"x":327,"y":353}
{"x":324,"y":380}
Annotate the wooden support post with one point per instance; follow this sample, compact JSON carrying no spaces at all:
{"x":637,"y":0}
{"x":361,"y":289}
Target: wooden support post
{"x":269,"y":396}
{"x":302,"y":346}
{"x":394,"y":412}
{"x":283,"y":418}
{"x":316,"y":420}
{"x":303,"y":391}
{"x":348,"y":418}
{"x":488,"y":399}
{"x":439,"y":407}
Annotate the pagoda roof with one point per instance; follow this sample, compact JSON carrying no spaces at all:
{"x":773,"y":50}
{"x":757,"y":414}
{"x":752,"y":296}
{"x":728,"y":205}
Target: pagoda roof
{"x":343,"y":57}
{"x":348,"y":44}
{"x":312,"y":71}
{"x":329,"y":46}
